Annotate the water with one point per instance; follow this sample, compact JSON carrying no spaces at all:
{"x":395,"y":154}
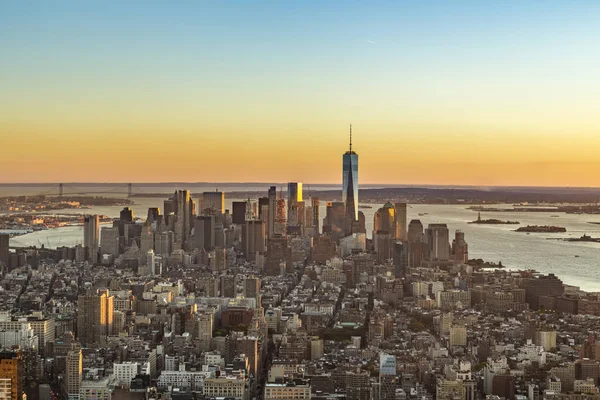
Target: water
{"x":489,"y":242}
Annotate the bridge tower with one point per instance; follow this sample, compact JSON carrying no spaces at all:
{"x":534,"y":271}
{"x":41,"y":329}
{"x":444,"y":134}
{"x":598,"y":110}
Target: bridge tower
{"x":129,"y":189}
{"x":60,"y":189}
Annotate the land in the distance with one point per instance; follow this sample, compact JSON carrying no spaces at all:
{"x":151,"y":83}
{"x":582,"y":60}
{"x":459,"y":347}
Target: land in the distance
{"x":542,"y":229}
{"x":494,"y":221}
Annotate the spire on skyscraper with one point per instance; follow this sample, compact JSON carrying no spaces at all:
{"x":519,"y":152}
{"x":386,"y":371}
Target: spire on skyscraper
{"x":350,"y":138}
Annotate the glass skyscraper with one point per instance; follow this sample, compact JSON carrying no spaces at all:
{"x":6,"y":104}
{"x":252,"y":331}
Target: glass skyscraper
{"x":350,"y":182}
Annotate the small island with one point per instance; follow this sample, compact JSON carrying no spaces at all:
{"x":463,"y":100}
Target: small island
{"x":492,"y":221}
{"x":584,"y":238}
{"x":542,"y":229}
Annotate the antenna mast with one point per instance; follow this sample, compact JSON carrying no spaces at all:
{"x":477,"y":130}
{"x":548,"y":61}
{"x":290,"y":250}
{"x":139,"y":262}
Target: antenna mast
{"x":350,"y":138}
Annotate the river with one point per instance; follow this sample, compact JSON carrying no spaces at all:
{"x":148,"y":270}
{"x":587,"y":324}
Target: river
{"x":576,"y":263}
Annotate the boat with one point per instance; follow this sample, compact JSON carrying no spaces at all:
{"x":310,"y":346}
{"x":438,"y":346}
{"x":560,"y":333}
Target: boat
{"x":554,"y":216}
{"x":576,"y":256}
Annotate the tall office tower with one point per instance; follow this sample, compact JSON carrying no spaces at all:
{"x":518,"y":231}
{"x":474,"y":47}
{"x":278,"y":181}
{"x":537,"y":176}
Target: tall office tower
{"x":253,"y":239}
{"x":169,"y":206}
{"x":416,"y":243}
{"x":250,"y":210}
{"x":204,"y":232}
{"x":126,"y":214}
{"x":262,"y":202}
{"x":460,"y":249}
{"x":151,"y":262}
{"x":163,"y":243}
{"x":387,"y":376}
{"x":239,"y":212}
{"x":228,"y":286}
{"x":153,"y":214}
{"x":183,"y":222}
{"x":95,"y":317}
{"x":437,"y":238}
{"x":74,"y":371}
{"x":280,"y":218}
{"x":4,"y":249}
{"x":315,"y":203}
{"x":91,"y":230}
{"x":350,"y":182}
{"x":294,"y":197}
{"x":272,"y":196}
{"x":252,"y":289}
{"x":146,"y":241}
{"x":384,"y":220}
{"x":334,"y":223}
{"x":400,"y":222}
{"x":213,"y":201}
{"x":294,"y":192}
{"x":110,"y":241}
{"x":12,"y":375}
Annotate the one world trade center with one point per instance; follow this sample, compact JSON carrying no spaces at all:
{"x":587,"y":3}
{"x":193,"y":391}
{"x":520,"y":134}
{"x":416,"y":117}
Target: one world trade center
{"x":350,"y":182}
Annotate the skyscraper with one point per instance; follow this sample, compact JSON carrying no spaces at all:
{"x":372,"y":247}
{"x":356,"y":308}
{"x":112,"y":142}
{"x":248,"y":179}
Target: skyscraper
{"x":213,"y":201}
{"x":294,"y":192}
{"x":437,"y":237}
{"x":95,"y":316}
{"x":11,"y":374}
{"x":401,"y":221}
{"x":350,"y":181}
{"x":4,"y":246}
{"x":74,"y":372}
{"x":91,"y":234}
{"x":272,"y":211}
{"x":253,"y":238}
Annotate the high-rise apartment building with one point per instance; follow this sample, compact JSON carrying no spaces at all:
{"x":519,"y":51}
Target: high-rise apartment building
{"x":228,"y":286}
{"x":11,"y":375}
{"x":91,"y":231}
{"x":74,"y":372}
{"x":252,"y":289}
{"x":95,"y":315}
{"x":350,"y":181}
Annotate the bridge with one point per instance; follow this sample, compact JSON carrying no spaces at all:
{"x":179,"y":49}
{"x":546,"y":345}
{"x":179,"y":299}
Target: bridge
{"x":75,"y":189}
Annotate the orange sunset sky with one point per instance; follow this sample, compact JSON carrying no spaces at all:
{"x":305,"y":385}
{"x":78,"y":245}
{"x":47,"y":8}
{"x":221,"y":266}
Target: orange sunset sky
{"x":473,"y":94}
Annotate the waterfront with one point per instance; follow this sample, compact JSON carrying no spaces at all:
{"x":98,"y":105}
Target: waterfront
{"x":576,"y":263}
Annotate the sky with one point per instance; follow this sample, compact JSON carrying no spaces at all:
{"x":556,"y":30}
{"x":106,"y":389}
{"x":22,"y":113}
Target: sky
{"x":438,"y":92}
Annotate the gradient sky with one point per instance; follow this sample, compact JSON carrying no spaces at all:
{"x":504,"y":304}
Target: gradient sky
{"x":456,"y":92}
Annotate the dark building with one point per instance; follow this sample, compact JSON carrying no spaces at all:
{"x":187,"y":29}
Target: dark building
{"x":239,"y":212}
{"x":126,"y":214}
{"x":262,"y":201}
{"x":543,"y":286}
{"x":4,"y":245}
{"x":204,"y":232}
{"x":234,"y":316}
{"x":278,"y":252}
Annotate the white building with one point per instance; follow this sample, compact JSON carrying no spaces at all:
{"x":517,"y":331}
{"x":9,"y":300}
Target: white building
{"x":125,"y":372}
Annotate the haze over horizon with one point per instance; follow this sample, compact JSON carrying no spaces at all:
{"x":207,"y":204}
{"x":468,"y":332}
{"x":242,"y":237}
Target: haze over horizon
{"x":494,"y":94}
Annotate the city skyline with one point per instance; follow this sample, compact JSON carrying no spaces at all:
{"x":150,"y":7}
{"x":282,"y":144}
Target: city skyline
{"x":439,"y":94}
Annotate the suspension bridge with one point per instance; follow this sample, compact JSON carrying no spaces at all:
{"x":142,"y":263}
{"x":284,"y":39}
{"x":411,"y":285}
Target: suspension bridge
{"x":75,"y":189}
